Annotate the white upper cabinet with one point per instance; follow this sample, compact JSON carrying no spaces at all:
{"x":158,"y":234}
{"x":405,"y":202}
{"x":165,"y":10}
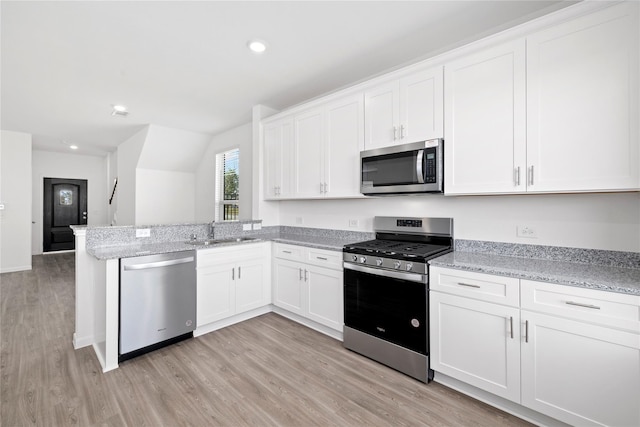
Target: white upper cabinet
{"x":315,"y":153}
{"x":309,"y":147}
{"x":344,"y":132}
{"x":278,"y":151}
{"x":405,"y":110}
{"x":485,"y":130}
{"x":559,"y":115}
{"x":582,"y":103}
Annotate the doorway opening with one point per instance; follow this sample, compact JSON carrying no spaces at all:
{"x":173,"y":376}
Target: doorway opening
{"x":65,"y":204}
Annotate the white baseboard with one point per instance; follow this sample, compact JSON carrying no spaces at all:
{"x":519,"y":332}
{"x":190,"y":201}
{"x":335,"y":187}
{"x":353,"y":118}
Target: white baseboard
{"x":210,"y":327}
{"x":82,"y":341}
{"x":15,"y":269}
{"x":499,"y":402}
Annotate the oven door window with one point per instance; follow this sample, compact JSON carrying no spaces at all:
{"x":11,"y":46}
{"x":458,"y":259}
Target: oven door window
{"x":390,"y":309}
{"x":392,"y":169}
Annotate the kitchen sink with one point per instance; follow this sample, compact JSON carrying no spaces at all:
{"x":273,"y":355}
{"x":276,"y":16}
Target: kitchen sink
{"x":208,"y":242}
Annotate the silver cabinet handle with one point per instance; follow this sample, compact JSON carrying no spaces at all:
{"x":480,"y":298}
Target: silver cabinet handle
{"x":517,"y":175}
{"x":530,"y":175}
{"x":595,"y":307}
{"x":511,"y":325}
{"x":300,"y":276}
{"x":306,"y":275}
{"x":526,"y":331}
{"x":322,"y":258}
{"x":401,"y":131}
{"x":468,"y":285}
{"x":239,"y":272}
{"x":286,"y":252}
{"x":233,"y":274}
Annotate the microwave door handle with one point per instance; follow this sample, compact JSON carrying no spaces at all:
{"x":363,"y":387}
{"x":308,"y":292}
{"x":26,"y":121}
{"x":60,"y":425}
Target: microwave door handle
{"x":419,"y":170}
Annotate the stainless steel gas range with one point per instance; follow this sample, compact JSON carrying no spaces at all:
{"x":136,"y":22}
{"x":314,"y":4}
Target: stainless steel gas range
{"x":386,"y":298}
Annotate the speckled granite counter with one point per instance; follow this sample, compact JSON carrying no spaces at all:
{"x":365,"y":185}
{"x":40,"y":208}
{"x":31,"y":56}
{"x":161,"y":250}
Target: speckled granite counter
{"x":120,"y":246}
{"x":593,"y":276}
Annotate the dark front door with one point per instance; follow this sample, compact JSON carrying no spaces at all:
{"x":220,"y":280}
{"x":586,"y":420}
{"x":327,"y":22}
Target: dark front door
{"x":65,"y":204}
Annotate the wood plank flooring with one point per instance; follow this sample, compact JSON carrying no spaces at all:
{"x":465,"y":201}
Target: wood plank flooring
{"x":268,"y":371}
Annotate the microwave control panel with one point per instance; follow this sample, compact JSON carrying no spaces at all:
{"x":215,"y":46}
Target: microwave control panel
{"x":430,"y":165}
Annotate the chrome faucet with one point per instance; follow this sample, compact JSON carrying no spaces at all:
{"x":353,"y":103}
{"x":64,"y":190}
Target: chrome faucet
{"x":211,"y":225}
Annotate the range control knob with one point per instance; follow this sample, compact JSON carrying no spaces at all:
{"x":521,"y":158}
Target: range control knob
{"x":409,"y":266}
{"x":397,"y":264}
{"x":363,"y":259}
{"x":354,"y":258}
{"x":379,"y":262}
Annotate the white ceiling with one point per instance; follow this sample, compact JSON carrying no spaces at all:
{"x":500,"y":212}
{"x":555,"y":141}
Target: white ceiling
{"x":185,"y":65}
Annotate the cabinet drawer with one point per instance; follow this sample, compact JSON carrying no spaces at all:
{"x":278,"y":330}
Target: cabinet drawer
{"x":483,"y":287}
{"x":230,"y":253}
{"x":589,"y":305}
{"x":292,"y":252}
{"x":324,"y":258}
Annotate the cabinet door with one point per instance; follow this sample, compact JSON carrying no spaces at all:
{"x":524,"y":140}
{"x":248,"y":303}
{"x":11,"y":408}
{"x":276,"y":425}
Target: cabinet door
{"x":476,"y":342}
{"x":250,"y":288}
{"x":309,"y":140}
{"x":288,"y":286}
{"x":215,"y":294}
{"x":580,"y":373}
{"x":381,"y":116}
{"x":422,"y":106}
{"x":344,"y":141}
{"x":325,"y":296}
{"x":278,"y":152}
{"x":582,"y":103}
{"x":485,"y":130}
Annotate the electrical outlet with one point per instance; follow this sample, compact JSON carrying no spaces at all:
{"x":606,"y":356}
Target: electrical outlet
{"x":257,"y":226}
{"x":246,"y":227}
{"x":353,"y":223}
{"x":143,"y":232}
{"x":298,"y":220}
{"x":526,"y":231}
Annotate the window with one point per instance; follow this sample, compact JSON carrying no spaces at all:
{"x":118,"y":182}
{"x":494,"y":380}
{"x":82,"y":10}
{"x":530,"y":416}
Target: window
{"x":227,"y":185}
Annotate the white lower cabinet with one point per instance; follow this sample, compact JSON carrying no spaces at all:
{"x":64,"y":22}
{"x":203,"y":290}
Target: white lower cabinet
{"x":309,"y":283}
{"x":232,"y":280}
{"x":476,"y":342}
{"x":570,"y":353}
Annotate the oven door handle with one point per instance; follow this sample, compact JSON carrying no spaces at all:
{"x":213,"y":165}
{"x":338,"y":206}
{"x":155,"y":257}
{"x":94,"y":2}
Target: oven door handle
{"x":401,"y":275}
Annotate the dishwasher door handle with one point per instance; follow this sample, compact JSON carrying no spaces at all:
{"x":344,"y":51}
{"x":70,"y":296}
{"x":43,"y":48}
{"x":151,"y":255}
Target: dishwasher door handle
{"x":157,"y":264}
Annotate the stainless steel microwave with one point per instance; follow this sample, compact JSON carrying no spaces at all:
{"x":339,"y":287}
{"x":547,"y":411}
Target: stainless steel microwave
{"x":403,"y":169}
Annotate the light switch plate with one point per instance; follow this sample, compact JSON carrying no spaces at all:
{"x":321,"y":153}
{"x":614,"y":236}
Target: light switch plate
{"x":143,"y":232}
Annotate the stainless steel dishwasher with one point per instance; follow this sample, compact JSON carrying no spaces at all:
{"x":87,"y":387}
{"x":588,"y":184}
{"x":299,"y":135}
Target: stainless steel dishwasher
{"x":157,"y":301}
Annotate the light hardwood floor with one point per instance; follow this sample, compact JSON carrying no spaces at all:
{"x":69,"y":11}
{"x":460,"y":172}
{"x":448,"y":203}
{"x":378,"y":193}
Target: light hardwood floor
{"x":265,"y":371}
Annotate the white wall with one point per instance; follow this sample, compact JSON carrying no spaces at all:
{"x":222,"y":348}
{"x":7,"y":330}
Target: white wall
{"x":240,"y":137}
{"x":15,"y":195}
{"x":48,"y":164}
{"x":172,"y":149}
{"x":127,"y":161}
{"x":597,"y":221}
{"x":164,"y":197}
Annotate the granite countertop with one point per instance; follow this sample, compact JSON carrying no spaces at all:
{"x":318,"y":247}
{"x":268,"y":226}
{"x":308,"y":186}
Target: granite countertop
{"x":592,"y":276}
{"x":139,"y":249}
{"x":317,"y":242}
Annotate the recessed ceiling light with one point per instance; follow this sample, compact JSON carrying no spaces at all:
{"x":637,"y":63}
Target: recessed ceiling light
{"x":73,"y":147}
{"x":119,"y":110}
{"x":257,"y":46}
